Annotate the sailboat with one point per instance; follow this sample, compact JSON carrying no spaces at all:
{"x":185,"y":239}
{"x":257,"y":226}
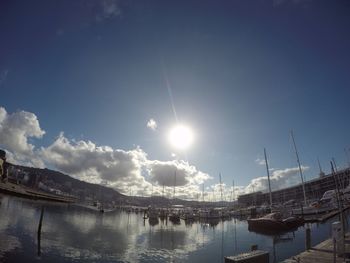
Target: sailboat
{"x":174,"y":216}
{"x":314,"y":208}
{"x":273,"y":222}
{"x":152,"y":216}
{"x":163,"y":212}
{"x":224,"y":213}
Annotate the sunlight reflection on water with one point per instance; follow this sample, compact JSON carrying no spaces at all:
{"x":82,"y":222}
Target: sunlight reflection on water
{"x":72,"y":233}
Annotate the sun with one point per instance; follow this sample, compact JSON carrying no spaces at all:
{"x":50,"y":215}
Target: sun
{"x":181,"y":137}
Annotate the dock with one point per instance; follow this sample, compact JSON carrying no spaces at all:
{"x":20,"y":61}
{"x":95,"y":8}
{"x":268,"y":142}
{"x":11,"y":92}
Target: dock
{"x":324,"y":217}
{"x":26,"y":192}
{"x":323,"y":252}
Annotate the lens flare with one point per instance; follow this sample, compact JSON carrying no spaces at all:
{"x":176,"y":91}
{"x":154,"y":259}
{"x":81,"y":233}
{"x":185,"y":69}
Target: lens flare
{"x":181,"y":137}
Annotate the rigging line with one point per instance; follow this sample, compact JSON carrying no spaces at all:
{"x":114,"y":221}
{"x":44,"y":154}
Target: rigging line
{"x":170,"y":93}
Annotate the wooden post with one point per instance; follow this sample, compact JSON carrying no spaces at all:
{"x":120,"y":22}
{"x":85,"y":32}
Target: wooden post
{"x":334,"y":250}
{"x":308,"y":238}
{"x":302,"y":210}
{"x":253,"y":247}
{"x":39,"y":230}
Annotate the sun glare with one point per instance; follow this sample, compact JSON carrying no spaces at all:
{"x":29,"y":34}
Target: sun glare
{"x":181,"y":137}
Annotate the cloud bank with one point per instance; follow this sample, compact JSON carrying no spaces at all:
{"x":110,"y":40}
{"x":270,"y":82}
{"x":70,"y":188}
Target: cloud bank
{"x":123,"y":170}
{"x":280,"y":178}
{"x":128,"y":171}
{"x":15,"y":131}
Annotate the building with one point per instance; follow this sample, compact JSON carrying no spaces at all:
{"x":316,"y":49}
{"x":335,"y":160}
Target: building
{"x":314,"y":189}
{"x":250,"y":199}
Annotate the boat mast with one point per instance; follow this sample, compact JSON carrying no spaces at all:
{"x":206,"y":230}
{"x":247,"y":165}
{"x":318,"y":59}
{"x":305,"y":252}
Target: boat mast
{"x":322,"y":174}
{"x":232,"y":192}
{"x":174,"y":186}
{"x":347,"y":156}
{"x":203,"y":193}
{"x":335,"y":165}
{"x":300,"y":170}
{"x":268,"y":176}
{"x":319,"y":165}
{"x":222,"y":200}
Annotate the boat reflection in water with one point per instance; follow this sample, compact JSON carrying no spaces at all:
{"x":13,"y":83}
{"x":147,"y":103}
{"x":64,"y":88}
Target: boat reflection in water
{"x":72,"y":233}
{"x":153,"y":221}
{"x":211,"y":222}
{"x":277,"y":229}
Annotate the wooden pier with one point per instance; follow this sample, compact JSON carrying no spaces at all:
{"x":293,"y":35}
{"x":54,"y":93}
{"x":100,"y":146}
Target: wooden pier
{"x":323,"y":217}
{"x":322,"y":253}
{"x":26,"y":192}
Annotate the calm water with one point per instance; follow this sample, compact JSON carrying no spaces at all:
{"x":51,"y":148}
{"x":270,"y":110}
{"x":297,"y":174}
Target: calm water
{"x":72,"y":234}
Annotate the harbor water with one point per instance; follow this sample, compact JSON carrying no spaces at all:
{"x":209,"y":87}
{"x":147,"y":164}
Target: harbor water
{"x":71,"y":233}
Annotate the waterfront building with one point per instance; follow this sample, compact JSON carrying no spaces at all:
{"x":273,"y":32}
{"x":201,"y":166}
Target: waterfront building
{"x":314,"y":190}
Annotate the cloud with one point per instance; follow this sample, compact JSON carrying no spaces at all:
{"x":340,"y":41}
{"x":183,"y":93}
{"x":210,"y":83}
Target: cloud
{"x":152,"y":124}
{"x":3,"y":76}
{"x":280,"y":178}
{"x":178,"y":173}
{"x":260,"y":161}
{"x":97,"y":164}
{"x":108,"y":9}
{"x":295,"y":2}
{"x":122,"y":170}
{"x":15,"y":131}
{"x":86,"y":13}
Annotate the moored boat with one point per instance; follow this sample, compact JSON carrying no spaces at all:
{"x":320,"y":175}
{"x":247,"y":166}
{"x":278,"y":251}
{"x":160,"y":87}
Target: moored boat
{"x":326,"y":204}
{"x":174,"y":217}
{"x":274,"y":222}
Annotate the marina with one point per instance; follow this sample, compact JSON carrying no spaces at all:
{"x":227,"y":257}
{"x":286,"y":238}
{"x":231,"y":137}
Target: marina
{"x":124,"y":235}
{"x":174,"y":131}
{"x":280,"y":222}
{"x":323,"y":252}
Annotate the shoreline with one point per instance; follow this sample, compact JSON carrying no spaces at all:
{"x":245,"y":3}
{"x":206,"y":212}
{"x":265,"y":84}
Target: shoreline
{"x":29,"y":193}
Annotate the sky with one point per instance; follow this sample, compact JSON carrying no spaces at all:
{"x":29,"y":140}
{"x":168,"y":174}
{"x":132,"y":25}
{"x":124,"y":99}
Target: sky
{"x":93,"y":89}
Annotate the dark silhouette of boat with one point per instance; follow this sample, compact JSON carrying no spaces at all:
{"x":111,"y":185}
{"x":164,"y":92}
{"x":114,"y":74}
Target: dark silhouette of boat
{"x":274,"y":222}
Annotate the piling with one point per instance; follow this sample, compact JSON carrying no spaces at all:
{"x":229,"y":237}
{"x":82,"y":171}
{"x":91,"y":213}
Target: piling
{"x":39,"y":230}
{"x":338,"y":238}
{"x":307,"y":238}
{"x":254,"y":247}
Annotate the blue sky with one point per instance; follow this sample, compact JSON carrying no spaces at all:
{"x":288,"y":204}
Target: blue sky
{"x":242,"y":74}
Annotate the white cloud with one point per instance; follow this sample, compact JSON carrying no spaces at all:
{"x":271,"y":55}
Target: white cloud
{"x":108,"y":10}
{"x":86,"y":161}
{"x":126,"y":171}
{"x":179,"y":173}
{"x":15,"y":130}
{"x":260,"y":161}
{"x":280,"y":178}
{"x":122,"y":170}
{"x":152,"y":124}
{"x":229,"y":193}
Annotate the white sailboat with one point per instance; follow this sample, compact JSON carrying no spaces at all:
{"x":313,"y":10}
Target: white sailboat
{"x":314,"y":208}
